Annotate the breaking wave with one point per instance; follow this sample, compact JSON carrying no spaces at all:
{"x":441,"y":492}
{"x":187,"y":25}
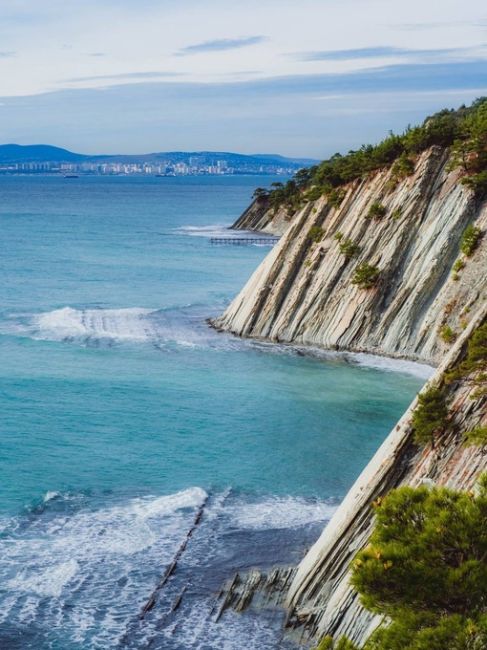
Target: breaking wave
{"x":81,"y":574}
{"x":184,"y":327}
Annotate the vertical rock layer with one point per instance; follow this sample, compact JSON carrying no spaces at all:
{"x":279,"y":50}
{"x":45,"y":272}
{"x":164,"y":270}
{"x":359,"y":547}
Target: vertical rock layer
{"x":303,"y":291}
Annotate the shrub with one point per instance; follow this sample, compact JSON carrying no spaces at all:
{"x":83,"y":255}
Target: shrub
{"x":335,"y":197}
{"x":416,"y":632}
{"x":425,"y":571}
{"x":349,"y":248}
{"x":376,"y":211}
{"x":343,"y":644}
{"x":475,"y":361}
{"x":365,"y":276}
{"x":338,"y":235}
{"x":477,"y":436}
{"x":403,"y":167}
{"x":426,"y":557}
{"x":261,"y":194}
{"x":477,"y":183}
{"x":315,"y":234}
{"x":470,"y":240}
{"x":477,"y":350}
{"x":459,"y":265}
{"x":447,"y":334}
{"x":396,"y":214}
{"x":430,"y":416}
{"x":314,"y":193}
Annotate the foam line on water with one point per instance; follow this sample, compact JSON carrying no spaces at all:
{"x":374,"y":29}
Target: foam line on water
{"x":421,"y":370}
{"x":282,"y":512}
{"x":220,"y":230}
{"x":84,"y":571}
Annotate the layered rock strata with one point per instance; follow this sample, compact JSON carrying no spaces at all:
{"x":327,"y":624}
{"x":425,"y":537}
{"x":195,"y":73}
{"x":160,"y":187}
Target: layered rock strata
{"x":303,"y":290}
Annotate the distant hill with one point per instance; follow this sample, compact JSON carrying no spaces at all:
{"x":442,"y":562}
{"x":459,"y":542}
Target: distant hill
{"x":15,"y":153}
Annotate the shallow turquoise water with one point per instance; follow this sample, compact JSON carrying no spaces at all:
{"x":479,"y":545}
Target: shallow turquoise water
{"x":121,"y":409}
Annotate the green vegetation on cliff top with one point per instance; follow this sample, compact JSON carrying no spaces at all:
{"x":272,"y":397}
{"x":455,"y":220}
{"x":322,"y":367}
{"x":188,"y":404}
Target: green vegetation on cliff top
{"x":464,"y":131}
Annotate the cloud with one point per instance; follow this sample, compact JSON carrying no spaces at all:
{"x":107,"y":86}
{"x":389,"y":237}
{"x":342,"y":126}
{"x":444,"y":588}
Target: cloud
{"x":6,"y":55}
{"x":421,"y":27}
{"x":154,"y":74}
{"x":96,"y":54}
{"x":376,"y":52}
{"x":301,"y":115}
{"x":219,"y":45}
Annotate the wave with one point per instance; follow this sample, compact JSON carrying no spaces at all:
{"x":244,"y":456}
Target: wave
{"x":130,"y":324}
{"x":224,"y":230}
{"x":282,"y":512}
{"x":212,"y":230}
{"x":184,"y":326}
{"x":49,"y":582}
{"x":86,"y":570}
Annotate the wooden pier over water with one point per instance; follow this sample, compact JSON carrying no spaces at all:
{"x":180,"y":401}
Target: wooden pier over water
{"x":244,"y":241}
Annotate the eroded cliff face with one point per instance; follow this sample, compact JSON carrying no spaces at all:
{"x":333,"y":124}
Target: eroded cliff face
{"x":260,"y":217}
{"x":320,"y":599}
{"x":303,"y":291}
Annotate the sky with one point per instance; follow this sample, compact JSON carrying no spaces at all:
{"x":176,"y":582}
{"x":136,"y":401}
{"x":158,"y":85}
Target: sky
{"x":300,"y":78}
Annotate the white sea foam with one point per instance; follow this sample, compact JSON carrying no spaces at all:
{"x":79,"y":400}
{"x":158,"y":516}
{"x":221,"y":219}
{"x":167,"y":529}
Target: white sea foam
{"x":87,"y":572}
{"x":50,"y":495}
{"x":49,"y":582}
{"x":129,"y":324}
{"x":211,"y":230}
{"x":420,"y":370}
{"x":180,"y":326}
{"x":103,"y":561}
{"x":224,"y":230}
{"x":282,"y":512}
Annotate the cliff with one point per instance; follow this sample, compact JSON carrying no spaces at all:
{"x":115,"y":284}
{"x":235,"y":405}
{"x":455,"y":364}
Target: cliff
{"x":303,"y":290}
{"x":424,"y":305}
{"x":261,"y":217}
{"x":320,"y":599}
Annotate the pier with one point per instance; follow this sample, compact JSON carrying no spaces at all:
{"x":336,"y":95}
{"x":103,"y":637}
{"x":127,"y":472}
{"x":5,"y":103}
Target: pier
{"x":243,"y":241}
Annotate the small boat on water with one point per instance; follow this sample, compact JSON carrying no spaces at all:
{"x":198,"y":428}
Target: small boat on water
{"x":71,"y":176}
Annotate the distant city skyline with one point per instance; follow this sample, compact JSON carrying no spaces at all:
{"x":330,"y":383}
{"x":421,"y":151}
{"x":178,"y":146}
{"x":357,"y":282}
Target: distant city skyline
{"x":21,"y":159}
{"x":298,"y":79}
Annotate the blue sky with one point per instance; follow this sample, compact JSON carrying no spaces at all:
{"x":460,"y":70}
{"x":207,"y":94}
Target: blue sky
{"x":302,"y":79}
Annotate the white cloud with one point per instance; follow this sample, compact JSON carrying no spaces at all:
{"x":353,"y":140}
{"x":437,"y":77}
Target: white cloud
{"x":66,"y":50}
{"x":139,"y":36}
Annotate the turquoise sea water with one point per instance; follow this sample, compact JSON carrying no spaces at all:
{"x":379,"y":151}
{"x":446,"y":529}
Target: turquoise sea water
{"x":121,"y":412}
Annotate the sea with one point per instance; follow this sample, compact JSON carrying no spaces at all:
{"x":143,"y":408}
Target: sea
{"x":124,"y":415}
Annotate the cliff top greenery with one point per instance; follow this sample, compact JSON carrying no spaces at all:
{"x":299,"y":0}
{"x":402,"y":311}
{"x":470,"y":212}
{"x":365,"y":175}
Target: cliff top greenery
{"x":463,"y":130}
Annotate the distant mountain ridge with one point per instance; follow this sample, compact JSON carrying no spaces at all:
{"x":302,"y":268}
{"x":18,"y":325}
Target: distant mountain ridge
{"x":15,"y":153}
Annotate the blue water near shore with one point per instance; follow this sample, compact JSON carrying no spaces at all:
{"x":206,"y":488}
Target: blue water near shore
{"x":122,"y":412}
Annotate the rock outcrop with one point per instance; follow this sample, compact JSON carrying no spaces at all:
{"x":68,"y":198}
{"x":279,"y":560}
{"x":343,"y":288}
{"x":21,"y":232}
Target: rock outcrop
{"x":303,"y":291}
{"x":260,"y":217}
